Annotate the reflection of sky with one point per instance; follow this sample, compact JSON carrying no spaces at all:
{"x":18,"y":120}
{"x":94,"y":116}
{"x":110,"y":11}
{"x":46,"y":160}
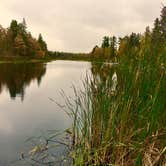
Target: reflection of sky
{"x":20,"y":120}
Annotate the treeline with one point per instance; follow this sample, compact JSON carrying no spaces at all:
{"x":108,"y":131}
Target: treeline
{"x":17,"y":41}
{"x":152,"y":40}
{"x":69,"y":55}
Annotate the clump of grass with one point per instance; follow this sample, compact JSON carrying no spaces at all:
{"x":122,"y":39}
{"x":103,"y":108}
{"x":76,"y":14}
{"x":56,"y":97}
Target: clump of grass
{"x":124,"y":127}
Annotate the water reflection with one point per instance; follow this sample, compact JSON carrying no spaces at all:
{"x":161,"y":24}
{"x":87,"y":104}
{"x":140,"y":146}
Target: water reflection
{"x":36,"y":114}
{"x":107,"y":76}
{"x":16,"y":77}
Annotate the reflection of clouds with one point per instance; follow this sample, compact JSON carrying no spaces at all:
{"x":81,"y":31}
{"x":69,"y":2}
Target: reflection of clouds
{"x":3,"y":97}
{"x":21,"y":120}
{"x":54,"y":73}
{"x":60,"y":70}
{"x":5,"y":125}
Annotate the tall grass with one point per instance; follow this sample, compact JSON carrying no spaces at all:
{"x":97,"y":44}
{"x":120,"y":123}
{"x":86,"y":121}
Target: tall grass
{"x":122,"y":127}
{"x":119,"y":116}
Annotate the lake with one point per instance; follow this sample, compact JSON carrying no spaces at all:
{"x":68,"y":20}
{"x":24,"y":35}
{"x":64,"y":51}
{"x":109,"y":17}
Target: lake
{"x":25,"y":106}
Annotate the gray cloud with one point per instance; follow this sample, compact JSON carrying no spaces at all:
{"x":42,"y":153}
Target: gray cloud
{"x":73,"y":25}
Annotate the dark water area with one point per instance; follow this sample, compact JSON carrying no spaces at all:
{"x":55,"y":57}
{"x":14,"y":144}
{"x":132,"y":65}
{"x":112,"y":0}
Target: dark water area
{"x":25,"y":106}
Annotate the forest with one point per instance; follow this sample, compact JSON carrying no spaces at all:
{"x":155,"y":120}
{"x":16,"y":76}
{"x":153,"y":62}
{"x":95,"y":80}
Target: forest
{"x":17,"y":41}
{"x":152,"y":41}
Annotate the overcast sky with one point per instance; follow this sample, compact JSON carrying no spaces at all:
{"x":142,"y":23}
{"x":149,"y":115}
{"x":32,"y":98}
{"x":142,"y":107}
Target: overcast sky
{"x":78,"y":25}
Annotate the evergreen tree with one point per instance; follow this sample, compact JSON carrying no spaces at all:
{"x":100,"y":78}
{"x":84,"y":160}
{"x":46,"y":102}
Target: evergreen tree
{"x":14,"y":29}
{"x":24,"y":23}
{"x":163,"y":24}
{"x":105,"y":42}
{"x":147,"y":34}
{"x":156,"y":33}
{"x":113,"y":46}
{"x":134,"y":40}
{"x":42,"y":43}
{"x":23,"y":27}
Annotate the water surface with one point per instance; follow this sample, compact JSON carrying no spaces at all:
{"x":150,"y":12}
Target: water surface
{"x":25,"y":107}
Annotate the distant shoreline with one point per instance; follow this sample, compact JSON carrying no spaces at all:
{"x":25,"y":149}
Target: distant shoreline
{"x":30,"y":59}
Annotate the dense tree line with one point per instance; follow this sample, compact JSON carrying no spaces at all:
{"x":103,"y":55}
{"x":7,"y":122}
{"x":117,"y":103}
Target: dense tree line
{"x":17,"y":41}
{"x":152,"y":41}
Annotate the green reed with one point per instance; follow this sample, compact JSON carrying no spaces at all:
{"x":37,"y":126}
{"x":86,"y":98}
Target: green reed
{"x":118,"y":116}
{"x":125,"y":126}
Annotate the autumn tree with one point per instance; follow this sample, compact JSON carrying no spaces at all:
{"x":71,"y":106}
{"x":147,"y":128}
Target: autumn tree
{"x":122,"y":46}
{"x":3,"y":42}
{"x":17,"y":41}
{"x":20,"y":46}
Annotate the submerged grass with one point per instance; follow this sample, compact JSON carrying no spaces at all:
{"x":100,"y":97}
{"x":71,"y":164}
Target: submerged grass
{"x":124,"y":125}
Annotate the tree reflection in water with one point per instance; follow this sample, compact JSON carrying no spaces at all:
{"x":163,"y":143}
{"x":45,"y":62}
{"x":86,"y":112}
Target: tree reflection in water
{"x":16,"y":77}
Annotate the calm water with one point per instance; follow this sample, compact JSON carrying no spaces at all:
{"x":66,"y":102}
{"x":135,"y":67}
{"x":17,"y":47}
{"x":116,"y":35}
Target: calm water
{"x":25,"y":107}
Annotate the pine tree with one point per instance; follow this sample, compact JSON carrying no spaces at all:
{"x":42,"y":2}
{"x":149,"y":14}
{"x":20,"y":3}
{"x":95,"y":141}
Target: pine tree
{"x":163,"y":24}
{"x":113,"y":46}
{"x":105,"y":42}
{"x":14,"y":29}
{"x":42,"y":43}
{"x":24,"y":23}
{"x":147,"y":34}
{"x":156,"y":33}
{"x":23,"y":26}
{"x":134,"y":40}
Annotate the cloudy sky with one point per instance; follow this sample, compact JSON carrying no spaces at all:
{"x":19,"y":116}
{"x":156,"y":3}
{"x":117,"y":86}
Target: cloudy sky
{"x":78,"y":25}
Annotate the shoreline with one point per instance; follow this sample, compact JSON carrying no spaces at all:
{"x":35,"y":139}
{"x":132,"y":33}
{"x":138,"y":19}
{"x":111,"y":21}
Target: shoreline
{"x":45,"y":59}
